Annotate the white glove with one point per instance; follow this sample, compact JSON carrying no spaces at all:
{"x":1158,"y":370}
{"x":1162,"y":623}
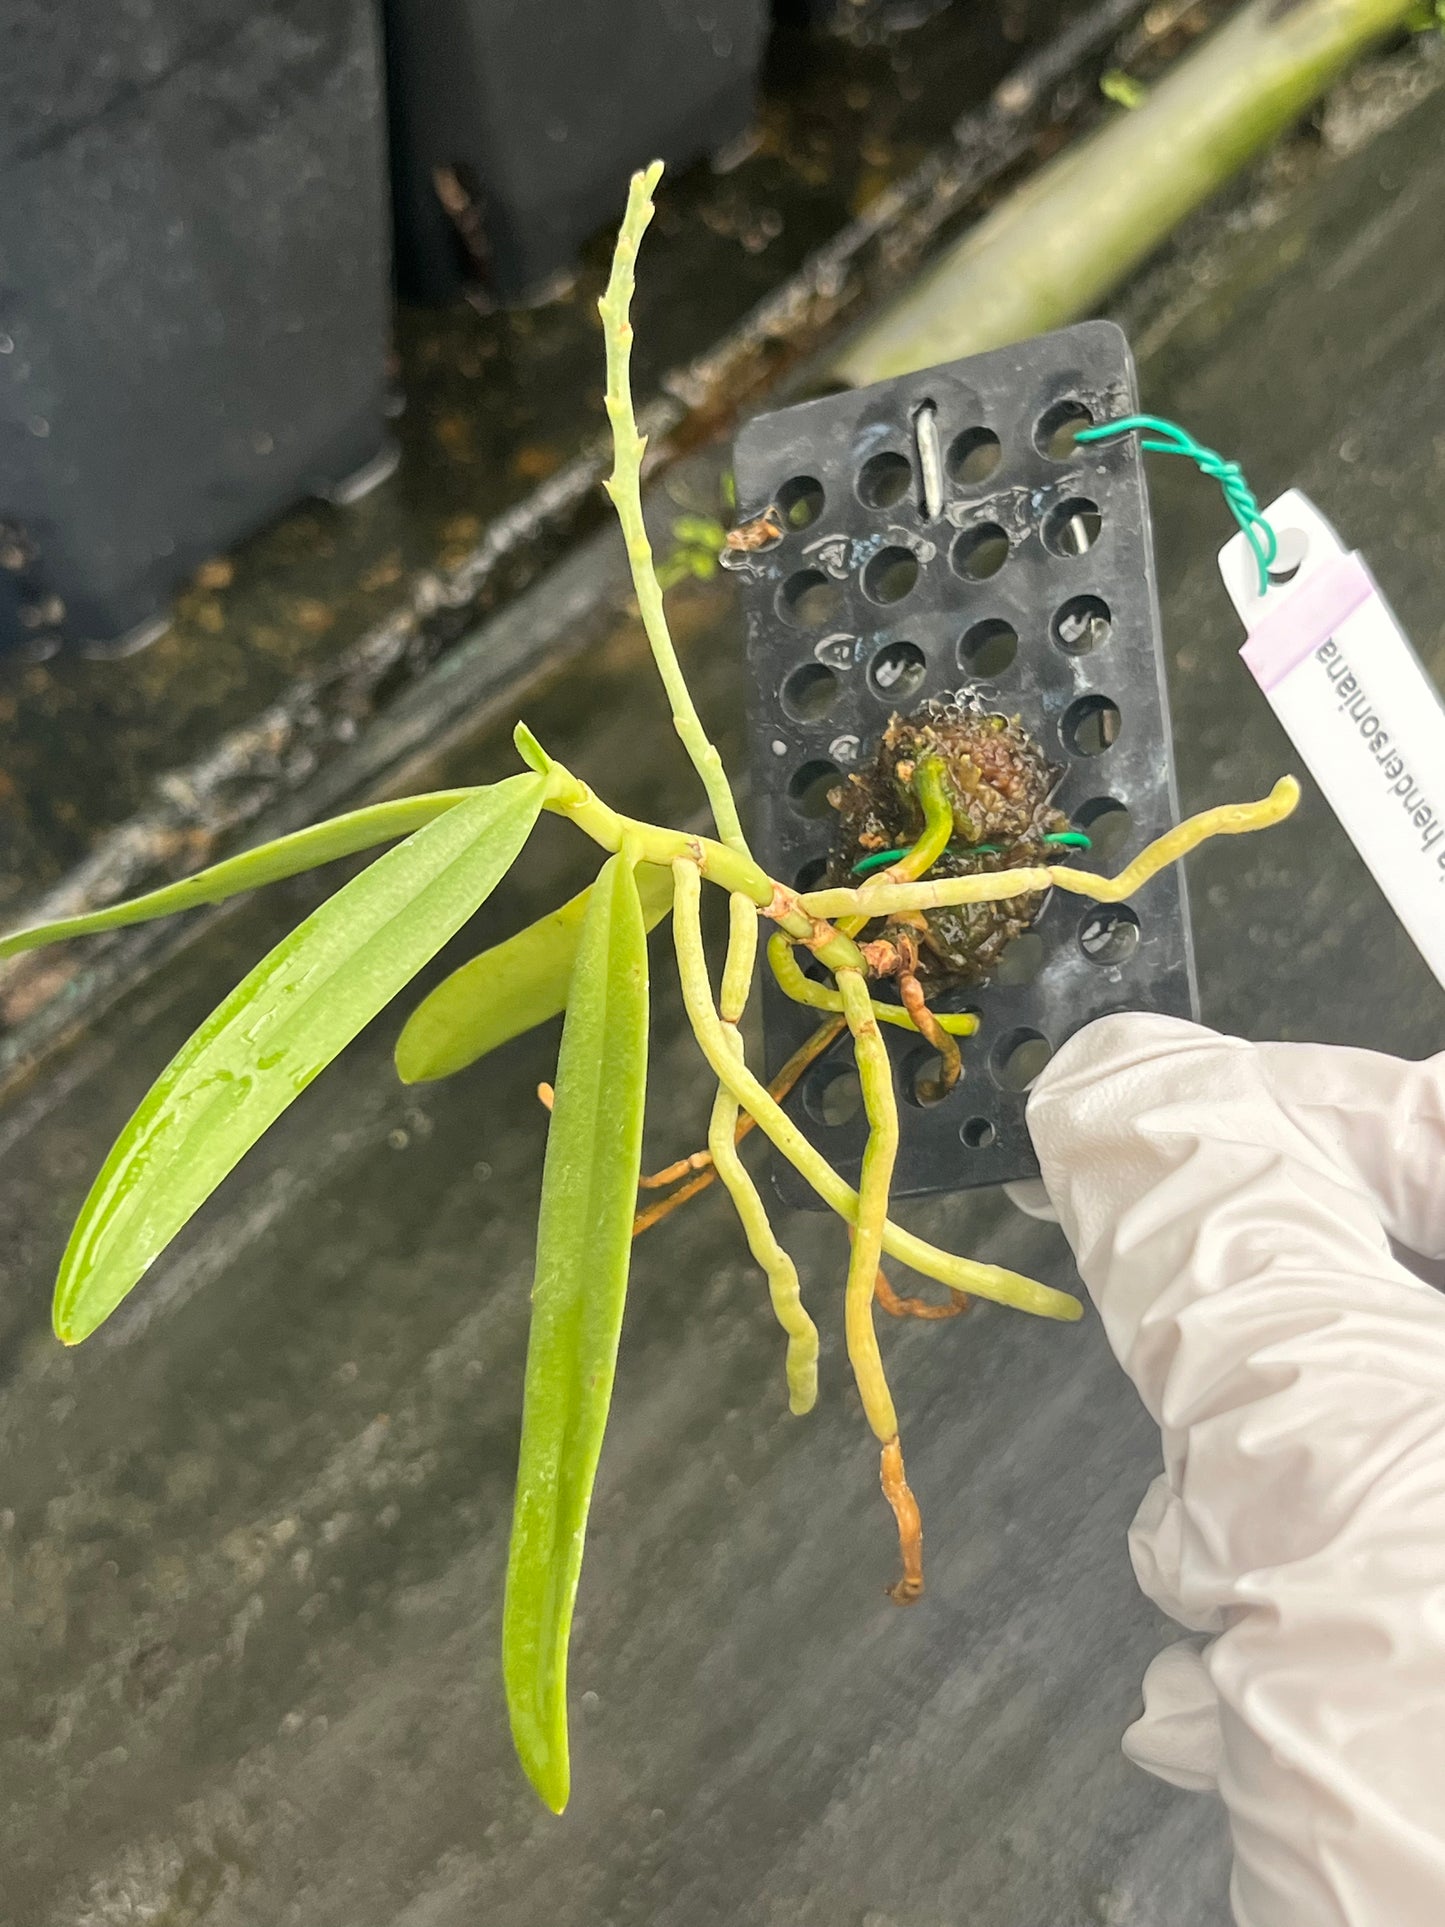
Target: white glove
{"x":1231,"y":1206}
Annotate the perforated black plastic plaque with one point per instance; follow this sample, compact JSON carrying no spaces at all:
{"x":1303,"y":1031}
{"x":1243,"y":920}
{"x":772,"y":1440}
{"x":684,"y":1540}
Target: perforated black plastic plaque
{"x":945,"y":533}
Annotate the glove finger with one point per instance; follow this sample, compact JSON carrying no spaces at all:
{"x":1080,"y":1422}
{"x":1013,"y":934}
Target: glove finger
{"x":1176,"y":1173}
{"x":1030,"y":1196}
{"x":1177,"y":1737}
{"x":1156,"y":1549}
{"x":1380,"y":1119}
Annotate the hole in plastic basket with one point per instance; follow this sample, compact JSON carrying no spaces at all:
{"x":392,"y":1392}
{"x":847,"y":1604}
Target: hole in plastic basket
{"x":1090,"y":726}
{"x":1081,"y":624}
{"x":1072,"y":527}
{"x":1058,"y":427}
{"x":920,"y":1080}
{"x":884,"y":479}
{"x":977,"y":1133}
{"x":809,"y":692}
{"x":890,"y":575}
{"x":811,"y":874}
{"x":1107,"y":824}
{"x":1110,"y":934}
{"x":1022,"y":961}
{"x":973,"y":456}
{"x":1019,"y":1057}
{"x":897,"y":672}
{"x":808,"y":599}
{"x":980,"y":552}
{"x":833,"y":1095}
{"x":808,"y":787}
{"x":801,"y":501}
{"x":988,"y":648}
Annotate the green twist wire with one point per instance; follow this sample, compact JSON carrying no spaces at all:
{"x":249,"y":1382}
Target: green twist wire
{"x":1070,"y":839}
{"x":1168,"y":438}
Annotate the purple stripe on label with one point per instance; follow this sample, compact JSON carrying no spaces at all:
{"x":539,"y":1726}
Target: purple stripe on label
{"x":1286,"y":635}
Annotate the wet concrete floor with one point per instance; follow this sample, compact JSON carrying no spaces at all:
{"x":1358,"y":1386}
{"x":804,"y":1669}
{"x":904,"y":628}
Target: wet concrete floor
{"x":252,"y":1537}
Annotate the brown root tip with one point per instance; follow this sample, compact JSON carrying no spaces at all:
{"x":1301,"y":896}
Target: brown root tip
{"x":662,"y":1208}
{"x":909,"y":1586}
{"x":674,"y":1173}
{"x":896,"y":1307}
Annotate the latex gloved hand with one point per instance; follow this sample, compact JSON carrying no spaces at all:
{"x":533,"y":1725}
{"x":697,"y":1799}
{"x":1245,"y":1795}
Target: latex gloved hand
{"x":1231,"y":1207}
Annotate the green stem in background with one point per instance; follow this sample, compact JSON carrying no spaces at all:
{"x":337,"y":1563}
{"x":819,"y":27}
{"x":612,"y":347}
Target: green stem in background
{"x":1056,"y":247}
{"x":984,"y":1281}
{"x":625,"y":488}
{"x":875,"y":1074}
{"x":288,"y":856}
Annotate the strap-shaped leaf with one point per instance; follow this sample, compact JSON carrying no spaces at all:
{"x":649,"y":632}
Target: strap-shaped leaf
{"x":584,"y":1245}
{"x":286,"y":856}
{"x":296,"y":1010}
{"x":510,"y":988}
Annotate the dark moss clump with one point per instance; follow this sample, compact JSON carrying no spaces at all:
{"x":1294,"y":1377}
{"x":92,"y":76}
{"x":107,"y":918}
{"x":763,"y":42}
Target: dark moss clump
{"x":999,"y":783}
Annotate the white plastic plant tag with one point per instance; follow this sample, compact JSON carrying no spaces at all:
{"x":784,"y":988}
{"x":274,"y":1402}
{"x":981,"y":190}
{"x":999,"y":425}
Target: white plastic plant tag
{"x":1341,"y":676}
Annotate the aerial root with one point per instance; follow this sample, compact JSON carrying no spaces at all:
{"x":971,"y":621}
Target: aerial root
{"x":701,"y":1161}
{"x":910,"y":992}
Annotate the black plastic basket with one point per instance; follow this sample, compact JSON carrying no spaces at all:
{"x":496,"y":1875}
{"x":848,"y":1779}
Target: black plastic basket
{"x":944,"y":534}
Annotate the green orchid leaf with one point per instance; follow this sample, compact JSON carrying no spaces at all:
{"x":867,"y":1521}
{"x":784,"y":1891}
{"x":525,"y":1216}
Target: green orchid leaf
{"x":584,"y":1247}
{"x":296,"y":1010}
{"x":530,"y":750}
{"x":508,"y":989}
{"x":287,"y":856}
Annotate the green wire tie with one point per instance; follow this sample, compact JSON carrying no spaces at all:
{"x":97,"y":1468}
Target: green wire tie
{"x":1071,"y":839}
{"x":1238,"y":495}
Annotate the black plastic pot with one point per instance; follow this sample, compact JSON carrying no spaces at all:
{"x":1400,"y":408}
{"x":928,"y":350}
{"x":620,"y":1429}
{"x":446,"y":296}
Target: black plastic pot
{"x":514,"y":124}
{"x":857,"y":17}
{"x":194,"y":304}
